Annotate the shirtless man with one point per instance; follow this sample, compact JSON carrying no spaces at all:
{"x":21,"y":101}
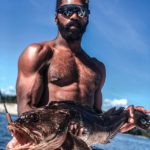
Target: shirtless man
{"x":60,"y":70}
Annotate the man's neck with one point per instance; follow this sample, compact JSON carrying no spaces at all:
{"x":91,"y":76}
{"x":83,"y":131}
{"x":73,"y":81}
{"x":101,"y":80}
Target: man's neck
{"x":74,"y":46}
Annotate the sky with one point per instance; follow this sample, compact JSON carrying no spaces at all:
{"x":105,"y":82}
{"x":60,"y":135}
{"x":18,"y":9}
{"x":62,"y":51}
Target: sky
{"x":118,"y":34}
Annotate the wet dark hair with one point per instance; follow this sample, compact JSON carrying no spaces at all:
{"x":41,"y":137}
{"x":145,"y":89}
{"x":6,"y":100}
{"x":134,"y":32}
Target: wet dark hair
{"x":85,"y":2}
{"x":58,"y":3}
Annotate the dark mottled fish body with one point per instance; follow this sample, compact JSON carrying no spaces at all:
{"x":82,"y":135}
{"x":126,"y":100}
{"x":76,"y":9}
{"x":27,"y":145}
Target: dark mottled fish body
{"x":48,"y":128}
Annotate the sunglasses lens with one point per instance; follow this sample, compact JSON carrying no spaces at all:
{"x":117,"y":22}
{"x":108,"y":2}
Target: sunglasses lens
{"x":82,"y":13}
{"x":67,"y":13}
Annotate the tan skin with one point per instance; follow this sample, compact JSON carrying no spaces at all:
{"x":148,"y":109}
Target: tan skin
{"x":61,"y":71}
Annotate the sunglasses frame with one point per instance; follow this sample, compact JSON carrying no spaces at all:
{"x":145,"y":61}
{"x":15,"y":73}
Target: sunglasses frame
{"x":75,"y":9}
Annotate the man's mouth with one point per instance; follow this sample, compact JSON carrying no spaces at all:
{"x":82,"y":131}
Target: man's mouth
{"x":74,"y":27}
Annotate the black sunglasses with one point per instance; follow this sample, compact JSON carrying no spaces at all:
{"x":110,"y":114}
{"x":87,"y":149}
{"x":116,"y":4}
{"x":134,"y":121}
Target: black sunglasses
{"x":69,"y":10}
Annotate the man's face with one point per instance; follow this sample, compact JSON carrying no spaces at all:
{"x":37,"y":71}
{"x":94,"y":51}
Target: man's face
{"x":72,"y":20}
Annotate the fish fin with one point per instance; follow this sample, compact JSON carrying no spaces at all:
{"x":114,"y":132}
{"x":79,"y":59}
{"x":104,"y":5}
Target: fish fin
{"x":114,"y":111}
{"x":110,"y":111}
{"x":110,"y":135}
{"x":77,"y":143}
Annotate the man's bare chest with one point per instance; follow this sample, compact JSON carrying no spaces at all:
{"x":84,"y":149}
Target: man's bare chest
{"x":65,"y":69}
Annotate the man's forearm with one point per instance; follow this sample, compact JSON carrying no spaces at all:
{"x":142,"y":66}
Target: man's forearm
{"x":23,"y":102}
{"x":98,"y":111}
{"x":23,"y":108}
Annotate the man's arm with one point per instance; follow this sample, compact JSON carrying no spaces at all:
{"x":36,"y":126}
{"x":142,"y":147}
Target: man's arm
{"x":98,"y":93}
{"x":29,"y":86}
{"x":131,"y":122}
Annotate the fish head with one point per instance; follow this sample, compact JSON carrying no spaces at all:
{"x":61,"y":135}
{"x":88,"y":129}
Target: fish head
{"x":24,"y":129}
{"x":142,"y":120}
{"x":34,"y":126}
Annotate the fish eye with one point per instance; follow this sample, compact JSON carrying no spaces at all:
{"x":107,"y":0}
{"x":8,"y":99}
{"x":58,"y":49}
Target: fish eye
{"x":33,"y":117}
{"x":30,"y":117}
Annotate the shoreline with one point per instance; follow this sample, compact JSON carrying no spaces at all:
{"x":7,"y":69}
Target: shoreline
{"x":11,"y":107}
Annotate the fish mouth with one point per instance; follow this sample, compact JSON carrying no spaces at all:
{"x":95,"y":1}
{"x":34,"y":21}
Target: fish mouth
{"x":22,"y":134}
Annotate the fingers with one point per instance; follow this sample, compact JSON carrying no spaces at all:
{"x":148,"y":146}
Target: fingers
{"x":73,"y":128}
{"x":126,"y":127}
{"x":76,"y":129}
{"x":140,"y":108}
{"x":131,"y":111}
{"x":147,"y":111}
{"x":131,"y":120}
{"x":130,"y":125}
{"x":81,"y":132}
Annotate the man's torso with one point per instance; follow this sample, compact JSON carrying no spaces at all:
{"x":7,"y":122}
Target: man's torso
{"x":69,"y":76}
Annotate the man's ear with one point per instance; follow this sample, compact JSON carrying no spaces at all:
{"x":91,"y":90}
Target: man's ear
{"x":56,"y":18}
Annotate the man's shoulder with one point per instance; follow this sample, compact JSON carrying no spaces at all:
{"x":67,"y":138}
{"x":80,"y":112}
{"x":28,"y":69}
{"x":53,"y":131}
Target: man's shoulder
{"x":37,"y":48}
{"x":34,"y":46}
{"x":35,"y":56}
{"x":37,"y":51}
{"x":99,"y":65}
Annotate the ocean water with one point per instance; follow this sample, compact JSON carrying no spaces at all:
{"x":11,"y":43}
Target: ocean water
{"x":120,"y":142}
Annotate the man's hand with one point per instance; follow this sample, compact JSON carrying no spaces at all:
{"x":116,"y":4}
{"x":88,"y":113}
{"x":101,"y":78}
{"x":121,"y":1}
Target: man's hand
{"x":12,"y":143}
{"x":76,"y":129}
{"x":131,"y":124}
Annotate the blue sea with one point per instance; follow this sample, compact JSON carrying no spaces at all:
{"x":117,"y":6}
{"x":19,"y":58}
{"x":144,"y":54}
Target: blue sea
{"x":120,"y":142}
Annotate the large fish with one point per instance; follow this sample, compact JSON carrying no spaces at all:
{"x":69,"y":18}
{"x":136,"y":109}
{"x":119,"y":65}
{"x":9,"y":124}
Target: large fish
{"x":48,"y":128}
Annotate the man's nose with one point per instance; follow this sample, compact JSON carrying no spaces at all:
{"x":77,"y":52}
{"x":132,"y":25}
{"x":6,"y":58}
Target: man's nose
{"x":74,"y":16}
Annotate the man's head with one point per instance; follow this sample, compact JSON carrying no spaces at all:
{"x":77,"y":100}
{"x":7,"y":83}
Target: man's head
{"x":72,"y":18}
{"x":59,"y":2}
